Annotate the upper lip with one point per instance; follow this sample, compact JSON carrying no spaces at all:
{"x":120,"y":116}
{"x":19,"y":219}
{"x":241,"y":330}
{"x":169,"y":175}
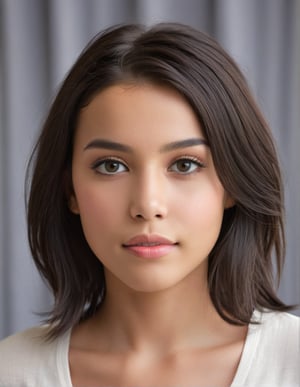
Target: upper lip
{"x":148,"y":239}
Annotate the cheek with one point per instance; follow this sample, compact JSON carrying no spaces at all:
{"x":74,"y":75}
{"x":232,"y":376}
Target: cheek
{"x":203,"y":208}
{"x":98,"y":208}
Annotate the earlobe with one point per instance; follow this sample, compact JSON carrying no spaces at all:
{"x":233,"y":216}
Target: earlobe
{"x":73,"y":205}
{"x":69,"y":192}
{"x":229,"y":202}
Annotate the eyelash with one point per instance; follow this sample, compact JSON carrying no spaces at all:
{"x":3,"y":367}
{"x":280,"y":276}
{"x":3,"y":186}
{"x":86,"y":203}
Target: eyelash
{"x":190,"y":159}
{"x":102,"y":161}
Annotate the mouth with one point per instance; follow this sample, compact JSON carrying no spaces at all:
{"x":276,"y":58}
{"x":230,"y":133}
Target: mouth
{"x":150,"y":246}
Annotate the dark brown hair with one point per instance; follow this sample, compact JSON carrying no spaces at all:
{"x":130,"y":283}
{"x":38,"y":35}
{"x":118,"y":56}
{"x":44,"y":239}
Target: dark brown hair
{"x":240,"y":274}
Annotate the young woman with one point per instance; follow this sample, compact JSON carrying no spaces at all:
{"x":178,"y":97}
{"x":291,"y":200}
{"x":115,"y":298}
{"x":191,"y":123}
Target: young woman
{"x":155,"y":212}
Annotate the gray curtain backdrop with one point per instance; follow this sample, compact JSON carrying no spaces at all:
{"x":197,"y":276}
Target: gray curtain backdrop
{"x":40,"y":39}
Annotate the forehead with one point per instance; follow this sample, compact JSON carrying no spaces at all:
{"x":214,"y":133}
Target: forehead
{"x":139,"y":113}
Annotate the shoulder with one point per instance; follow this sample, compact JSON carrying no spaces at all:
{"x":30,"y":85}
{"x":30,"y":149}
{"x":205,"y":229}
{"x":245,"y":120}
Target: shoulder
{"x":280,"y":331}
{"x":29,"y":338}
{"x":271,"y":354}
{"x":27,"y":359}
{"x":276,"y":349}
{"x":284,"y":325}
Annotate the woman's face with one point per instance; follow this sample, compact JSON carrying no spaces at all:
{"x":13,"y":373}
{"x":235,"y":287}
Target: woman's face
{"x":145,"y":187}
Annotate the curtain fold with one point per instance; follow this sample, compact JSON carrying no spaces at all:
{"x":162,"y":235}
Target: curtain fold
{"x":40,"y":40}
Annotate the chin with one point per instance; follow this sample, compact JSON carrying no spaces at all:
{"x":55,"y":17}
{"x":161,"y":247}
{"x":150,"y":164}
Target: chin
{"x":152,"y":284}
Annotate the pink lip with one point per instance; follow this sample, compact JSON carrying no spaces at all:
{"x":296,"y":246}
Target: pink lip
{"x":149,"y":246}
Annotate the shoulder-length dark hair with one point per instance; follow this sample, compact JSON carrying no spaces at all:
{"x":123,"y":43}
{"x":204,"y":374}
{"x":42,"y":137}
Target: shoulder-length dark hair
{"x":240,"y":272}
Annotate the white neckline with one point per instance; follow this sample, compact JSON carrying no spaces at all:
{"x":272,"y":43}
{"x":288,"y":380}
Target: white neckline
{"x":62,"y":360}
{"x":248,"y":354}
{"x":249,"y":350}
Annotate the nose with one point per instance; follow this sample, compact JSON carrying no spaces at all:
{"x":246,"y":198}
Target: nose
{"x":149,"y":197}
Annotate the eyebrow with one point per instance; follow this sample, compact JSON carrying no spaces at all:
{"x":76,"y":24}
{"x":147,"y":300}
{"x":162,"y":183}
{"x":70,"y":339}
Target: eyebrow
{"x":105,"y":144}
{"x":183,"y":144}
{"x":112,"y":145}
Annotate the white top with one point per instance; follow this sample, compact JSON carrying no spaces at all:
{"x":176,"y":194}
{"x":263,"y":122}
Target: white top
{"x":270,"y":358}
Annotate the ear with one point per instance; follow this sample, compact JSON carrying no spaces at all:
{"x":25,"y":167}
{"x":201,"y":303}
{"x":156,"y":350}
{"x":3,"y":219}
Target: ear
{"x":73,"y":205}
{"x":69,"y":192}
{"x":228,"y":202}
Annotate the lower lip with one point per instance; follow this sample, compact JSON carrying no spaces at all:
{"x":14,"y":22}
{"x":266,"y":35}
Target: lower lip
{"x":150,"y":252}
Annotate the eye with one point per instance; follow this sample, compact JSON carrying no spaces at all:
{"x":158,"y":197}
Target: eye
{"x":186,"y":165}
{"x":109,"y":167}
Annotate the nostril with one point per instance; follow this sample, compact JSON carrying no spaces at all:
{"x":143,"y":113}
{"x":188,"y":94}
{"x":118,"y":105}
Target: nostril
{"x":140,"y":216}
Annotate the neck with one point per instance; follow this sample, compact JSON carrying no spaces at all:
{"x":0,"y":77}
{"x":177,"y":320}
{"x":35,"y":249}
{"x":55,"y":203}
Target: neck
{"x":166,"y":320}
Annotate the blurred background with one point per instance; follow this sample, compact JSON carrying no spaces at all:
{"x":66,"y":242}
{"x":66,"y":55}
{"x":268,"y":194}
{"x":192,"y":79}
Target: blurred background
{"x":40,"y":40}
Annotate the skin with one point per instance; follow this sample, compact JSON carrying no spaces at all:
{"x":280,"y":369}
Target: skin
{"x":157,"y":326}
